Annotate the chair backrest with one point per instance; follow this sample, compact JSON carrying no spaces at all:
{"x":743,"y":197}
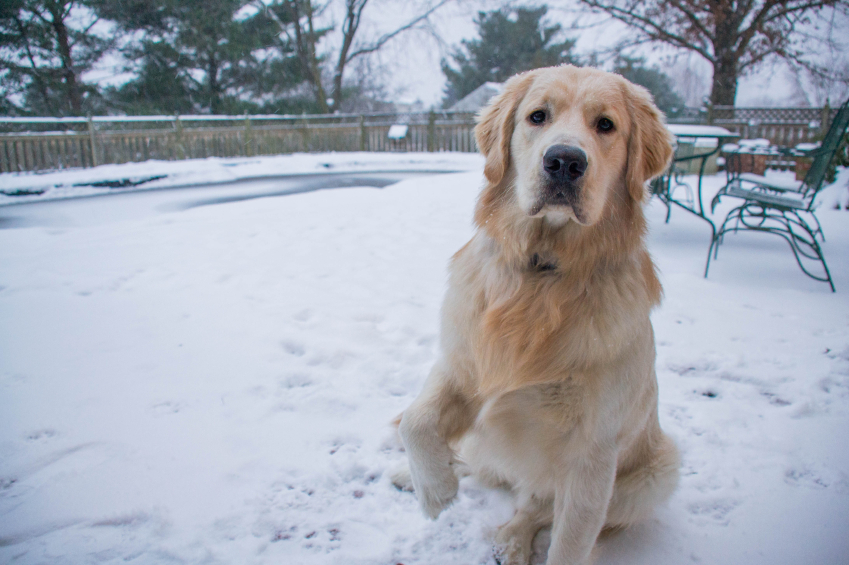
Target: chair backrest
{"x":816,"y":174}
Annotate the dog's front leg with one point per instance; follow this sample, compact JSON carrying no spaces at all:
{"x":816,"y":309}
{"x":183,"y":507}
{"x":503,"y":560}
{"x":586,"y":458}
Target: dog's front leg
{"x":580,"y":506}
{"x":439,"y":414}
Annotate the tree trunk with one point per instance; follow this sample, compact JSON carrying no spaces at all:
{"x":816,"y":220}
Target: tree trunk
{"x":214,"y":86}
{"x":726,"y":68}
{"x":72,"y":88}
{"x":725,"y":75}
{"x":305,"y":44}
{"x":353,"y":13}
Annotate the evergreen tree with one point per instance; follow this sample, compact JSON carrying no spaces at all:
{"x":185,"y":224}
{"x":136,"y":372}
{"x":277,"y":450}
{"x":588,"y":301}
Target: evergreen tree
{"x":656,"y":81}
{"x":201,"y":57}
{"x":511,"y":41}
{"x":45,"y":47}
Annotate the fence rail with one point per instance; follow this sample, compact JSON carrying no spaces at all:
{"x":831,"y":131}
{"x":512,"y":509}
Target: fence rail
{"x":94,"y":141}
{"x":35,"y":144}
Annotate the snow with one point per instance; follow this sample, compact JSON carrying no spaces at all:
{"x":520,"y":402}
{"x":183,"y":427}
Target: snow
{"x":685,"y":130}
{"x":72,"y":183}
{"x":215,"y":384}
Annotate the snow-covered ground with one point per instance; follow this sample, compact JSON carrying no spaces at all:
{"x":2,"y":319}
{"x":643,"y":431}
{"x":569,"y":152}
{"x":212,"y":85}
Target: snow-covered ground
{"x":153,"y":175}
{"x":215,"y":385}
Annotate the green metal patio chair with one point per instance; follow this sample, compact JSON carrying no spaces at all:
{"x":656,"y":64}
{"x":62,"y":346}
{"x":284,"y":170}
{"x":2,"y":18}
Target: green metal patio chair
{"x":785,"y":208}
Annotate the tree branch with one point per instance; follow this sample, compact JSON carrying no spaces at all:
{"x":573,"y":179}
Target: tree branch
{"x":691,"y":17}
{"x":649,"y":27}
{"x":381,"y":41}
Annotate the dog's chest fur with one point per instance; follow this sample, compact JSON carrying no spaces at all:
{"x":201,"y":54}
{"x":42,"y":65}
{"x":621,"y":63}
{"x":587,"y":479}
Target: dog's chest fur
{"x":511,"y":319}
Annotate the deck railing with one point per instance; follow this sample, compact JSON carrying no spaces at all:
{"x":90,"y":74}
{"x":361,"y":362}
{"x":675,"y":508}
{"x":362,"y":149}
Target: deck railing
{"x":35,"y":144}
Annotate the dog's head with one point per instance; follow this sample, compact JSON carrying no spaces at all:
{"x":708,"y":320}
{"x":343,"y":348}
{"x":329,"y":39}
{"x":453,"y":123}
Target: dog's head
{"x":563,"y":142}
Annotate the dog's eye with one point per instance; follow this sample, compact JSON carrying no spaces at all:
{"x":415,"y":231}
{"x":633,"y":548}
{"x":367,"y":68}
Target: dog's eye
{"x":604,"y":125}
{"x":537,"y":117}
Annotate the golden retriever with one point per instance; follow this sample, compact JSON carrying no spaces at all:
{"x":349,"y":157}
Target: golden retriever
{"x":545,"y":381}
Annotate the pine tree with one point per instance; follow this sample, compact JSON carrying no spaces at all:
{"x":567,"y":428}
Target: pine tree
{"x":511,"y":41}
{"x":656,"y":81}
{"x":45,"y":47}
{"x":200,"y":57}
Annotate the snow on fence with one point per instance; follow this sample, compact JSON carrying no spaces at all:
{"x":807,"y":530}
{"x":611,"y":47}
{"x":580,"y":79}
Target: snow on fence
{"x":786,"y":127}
{"x":33,"y":144}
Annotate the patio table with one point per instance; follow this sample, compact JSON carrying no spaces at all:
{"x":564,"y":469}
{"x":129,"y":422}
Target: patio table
{"x":665,"y":186}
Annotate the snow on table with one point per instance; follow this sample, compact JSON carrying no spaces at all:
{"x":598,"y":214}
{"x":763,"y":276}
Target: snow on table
{"x":215,"y":386}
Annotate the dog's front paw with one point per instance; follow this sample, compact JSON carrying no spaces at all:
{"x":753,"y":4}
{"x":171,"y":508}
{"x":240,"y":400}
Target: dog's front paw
{"x":402,"y":479}
{"x":436,"y":492}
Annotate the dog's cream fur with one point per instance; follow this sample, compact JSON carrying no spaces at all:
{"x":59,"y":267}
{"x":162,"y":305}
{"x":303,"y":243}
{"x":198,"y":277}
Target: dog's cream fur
{"x":546,"y":381}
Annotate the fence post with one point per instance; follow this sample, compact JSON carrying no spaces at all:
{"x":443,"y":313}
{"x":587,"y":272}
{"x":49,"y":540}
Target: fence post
{"x":93,"y":139}
{"x":179,"y":153}
{"x":305,"y":134}
{"x":248,"y":152}
{"x":431,"y":131}
{"x":363,"y":134}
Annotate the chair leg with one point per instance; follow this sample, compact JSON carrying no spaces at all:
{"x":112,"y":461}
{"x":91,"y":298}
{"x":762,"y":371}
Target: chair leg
{"x":713,"y":243}
{"x":819,"y":228}
{"x":798,"y":234}
{"x":719,"y":237}
{"x":803,"y":245}
{"x":828,"y":276}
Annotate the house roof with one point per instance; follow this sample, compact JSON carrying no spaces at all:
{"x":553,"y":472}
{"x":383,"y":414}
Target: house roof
{"x":478,"y":98}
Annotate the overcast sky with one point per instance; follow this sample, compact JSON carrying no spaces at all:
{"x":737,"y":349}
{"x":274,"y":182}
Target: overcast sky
{"x":410,"y":64}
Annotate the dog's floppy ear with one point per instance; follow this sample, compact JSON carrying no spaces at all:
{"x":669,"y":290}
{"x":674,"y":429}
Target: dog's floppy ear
{"x":650,"y":144}
{"x":495,"y":126}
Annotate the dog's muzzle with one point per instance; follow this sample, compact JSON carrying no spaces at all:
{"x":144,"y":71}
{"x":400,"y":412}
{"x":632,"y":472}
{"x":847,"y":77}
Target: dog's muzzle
{"x":564,"y":167}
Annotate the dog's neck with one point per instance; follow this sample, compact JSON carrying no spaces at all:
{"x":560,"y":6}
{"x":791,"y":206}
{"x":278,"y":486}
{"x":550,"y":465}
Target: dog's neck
{"x":540,"y":264}
{"x":535,"y":245}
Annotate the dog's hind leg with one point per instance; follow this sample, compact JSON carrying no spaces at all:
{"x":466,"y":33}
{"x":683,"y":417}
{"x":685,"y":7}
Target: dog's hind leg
{"x":638,"y":490}
{"x":513,"y":543}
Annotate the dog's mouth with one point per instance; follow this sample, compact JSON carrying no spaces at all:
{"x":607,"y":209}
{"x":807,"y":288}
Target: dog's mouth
{"x":558,"y":210}
{"x":560,"y":198}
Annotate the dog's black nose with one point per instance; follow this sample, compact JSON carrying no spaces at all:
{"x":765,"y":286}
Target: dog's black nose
{"x":565,"y":162}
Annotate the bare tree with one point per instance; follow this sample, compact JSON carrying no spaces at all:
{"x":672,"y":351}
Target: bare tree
{"x":298,"y":21}
{"x":734,"y":36}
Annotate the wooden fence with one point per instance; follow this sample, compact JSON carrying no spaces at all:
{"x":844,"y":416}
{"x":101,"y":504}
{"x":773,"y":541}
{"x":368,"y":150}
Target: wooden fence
{"x":786,"y":127}
{"x":34,"y":144}
{"x":96,"y":141}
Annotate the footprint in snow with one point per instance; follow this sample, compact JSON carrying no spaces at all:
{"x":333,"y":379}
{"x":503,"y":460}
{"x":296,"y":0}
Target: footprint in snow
{"x":296,"y":380}
{"x":717,"y":509}
{"x":167,"y":407}
{"x":690,"y":369}
{"x":813,"y":479}
{"x":774,"y":399}
{"x":42,"y":435}
{"x":293,"y":348}
{"x":303,"y":315}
